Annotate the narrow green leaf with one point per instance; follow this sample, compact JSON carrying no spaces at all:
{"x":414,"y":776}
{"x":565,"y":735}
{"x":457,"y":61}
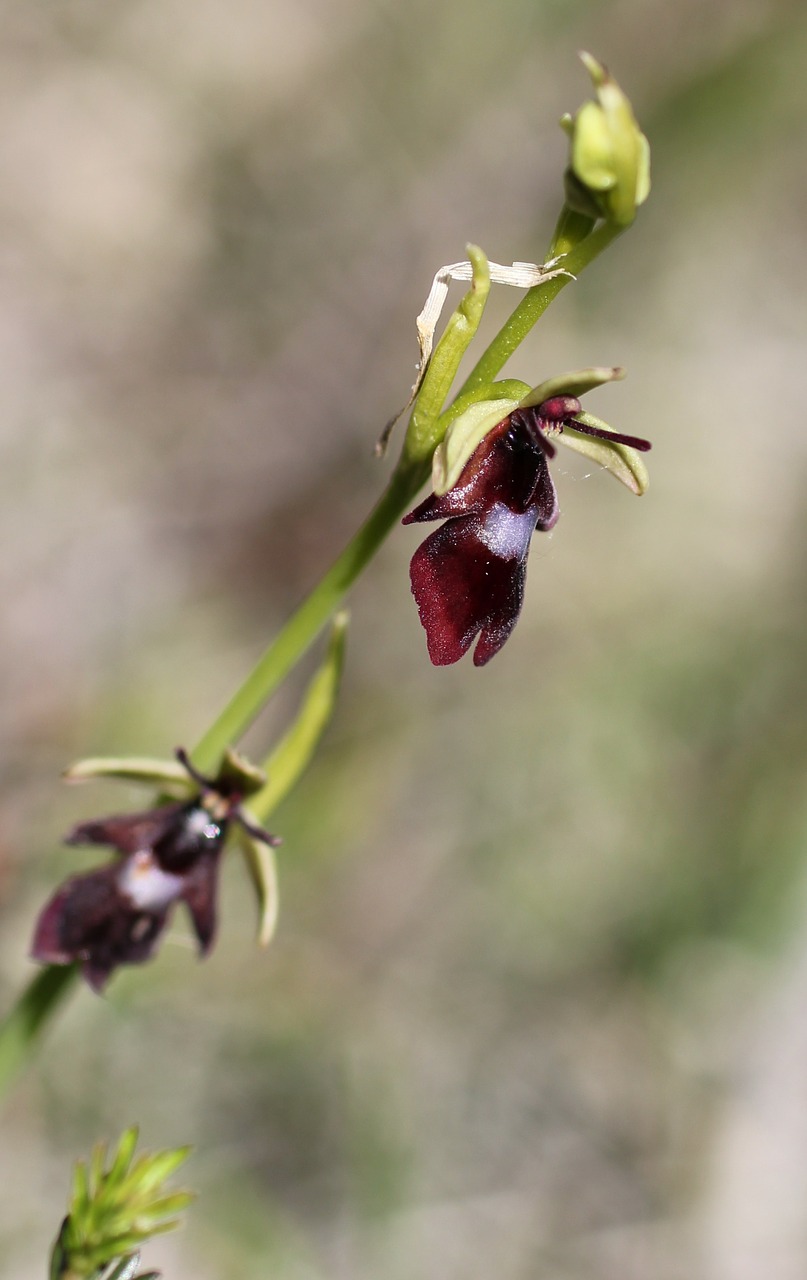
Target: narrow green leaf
{"x":292,"y":755}
{"x":150,"y":1170}
{"x":123,"y":1158}
{"x":20,"y":1030}
{"x":95,"y":1172}
{"x":126,"y":1242}
{"x":165,"y":1206}
{"x":80,"y":1198}
{"x":59,"y":1257}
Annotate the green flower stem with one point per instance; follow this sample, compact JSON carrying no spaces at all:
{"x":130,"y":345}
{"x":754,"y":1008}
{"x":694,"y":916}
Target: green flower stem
{"x":20,"y":1028}
{"x":19,"y":1031}
{"x":534,"y":304}
{"x":305,"y":624}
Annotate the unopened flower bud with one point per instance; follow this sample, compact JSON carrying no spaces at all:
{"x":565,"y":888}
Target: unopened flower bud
{"x":609,"y":165}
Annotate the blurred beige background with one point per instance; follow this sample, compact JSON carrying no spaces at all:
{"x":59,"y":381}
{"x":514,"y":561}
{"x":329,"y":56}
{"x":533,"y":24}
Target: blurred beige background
{"x":536,"y":1008}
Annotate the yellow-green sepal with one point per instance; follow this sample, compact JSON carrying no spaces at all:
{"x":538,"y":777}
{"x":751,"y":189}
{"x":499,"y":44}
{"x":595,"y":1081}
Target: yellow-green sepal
{"x":169,"y":775}
{"x":262,"y":867}
{"x":575,"y":384}
{"x":620,"y":459}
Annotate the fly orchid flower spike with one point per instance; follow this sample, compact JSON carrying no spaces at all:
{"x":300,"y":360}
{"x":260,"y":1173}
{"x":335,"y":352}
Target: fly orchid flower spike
{"x":116,"y":914}
{"x":493,"y":488}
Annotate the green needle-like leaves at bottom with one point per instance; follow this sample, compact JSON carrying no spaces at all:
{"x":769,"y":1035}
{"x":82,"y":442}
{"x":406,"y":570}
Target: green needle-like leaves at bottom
{"x":114,"y":1209}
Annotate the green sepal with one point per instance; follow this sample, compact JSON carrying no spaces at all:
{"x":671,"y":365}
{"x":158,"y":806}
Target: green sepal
{"x":425,"y":430}
{"x":620,"y":459}
{"x":575,"y":384}
{"x":503,"y":389}
{"x":168,"y":775}
{"x":262,"y":867}
{"x":463,"y":437}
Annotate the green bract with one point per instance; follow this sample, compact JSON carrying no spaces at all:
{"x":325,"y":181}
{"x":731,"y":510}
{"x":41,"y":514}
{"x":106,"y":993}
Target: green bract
{"x":609,"y":165}
{"x":420,"y":439}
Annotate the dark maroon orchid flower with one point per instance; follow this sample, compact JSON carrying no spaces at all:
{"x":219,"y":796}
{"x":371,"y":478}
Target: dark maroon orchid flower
{"x":115,"y":915}
{"x":468,"y":576}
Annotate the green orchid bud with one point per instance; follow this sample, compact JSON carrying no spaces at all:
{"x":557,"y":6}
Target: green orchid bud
{"x":609,"y":167}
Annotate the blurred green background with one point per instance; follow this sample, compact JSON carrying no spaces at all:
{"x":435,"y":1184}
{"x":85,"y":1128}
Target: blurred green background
{"x":536,"y":1007}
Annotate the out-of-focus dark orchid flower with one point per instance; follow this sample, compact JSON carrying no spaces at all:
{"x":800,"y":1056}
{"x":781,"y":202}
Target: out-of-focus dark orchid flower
{"x":468,"y":576}
{"x":115,"y":914}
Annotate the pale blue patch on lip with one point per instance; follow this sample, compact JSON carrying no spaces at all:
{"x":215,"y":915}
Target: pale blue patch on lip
{"x":146,"y":885}
{"x":505,"y":533}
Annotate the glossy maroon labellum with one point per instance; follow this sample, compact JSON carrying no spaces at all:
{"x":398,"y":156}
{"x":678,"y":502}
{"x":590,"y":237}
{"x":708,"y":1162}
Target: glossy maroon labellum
{"x":468,"y":576}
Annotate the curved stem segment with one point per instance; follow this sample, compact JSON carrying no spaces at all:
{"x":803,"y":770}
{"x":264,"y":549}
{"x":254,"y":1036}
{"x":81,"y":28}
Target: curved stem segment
{"x":304,"y":625}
